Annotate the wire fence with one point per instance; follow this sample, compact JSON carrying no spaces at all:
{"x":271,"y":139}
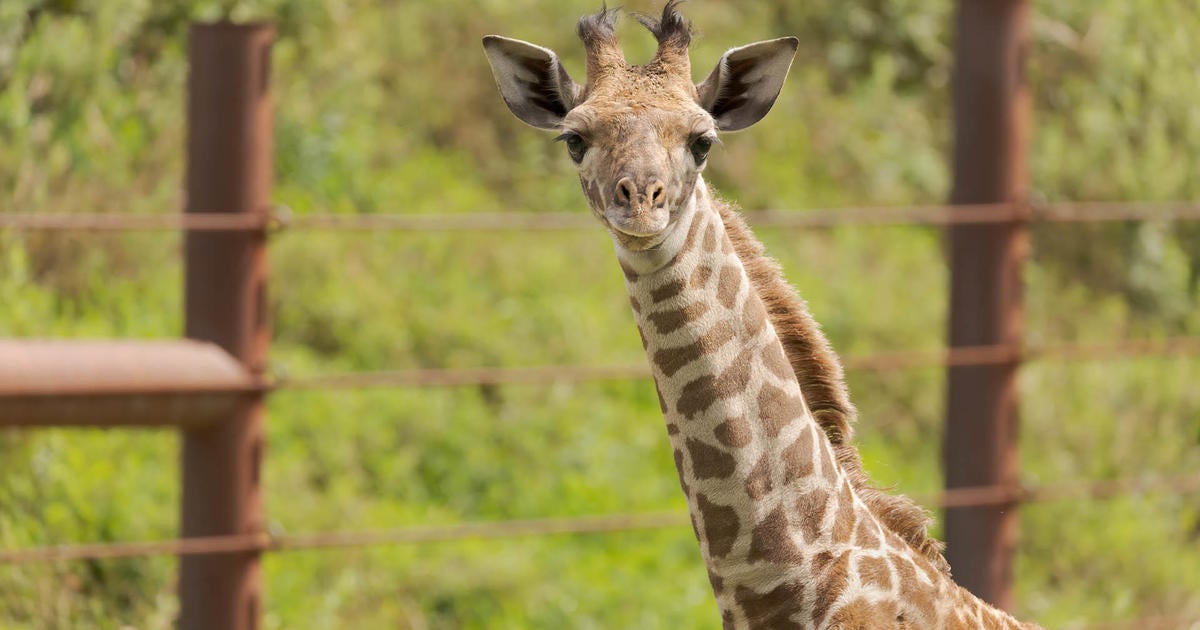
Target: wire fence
{"x":279,"y":219}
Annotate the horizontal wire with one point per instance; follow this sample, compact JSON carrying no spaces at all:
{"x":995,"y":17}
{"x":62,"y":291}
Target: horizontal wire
{"x":609,"y":523}
{"x":282,"y":218}
{"x":118,"y":222}
{"x":968,"y":356}
{"x":261,"y":542}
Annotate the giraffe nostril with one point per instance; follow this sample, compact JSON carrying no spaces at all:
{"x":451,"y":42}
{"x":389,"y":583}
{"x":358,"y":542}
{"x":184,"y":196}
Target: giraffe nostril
{"x":626,"y":191}
{"x":657,"y":194}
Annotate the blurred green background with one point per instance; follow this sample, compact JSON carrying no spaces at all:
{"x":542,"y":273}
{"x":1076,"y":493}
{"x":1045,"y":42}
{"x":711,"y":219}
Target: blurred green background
{"x":388,"y":106}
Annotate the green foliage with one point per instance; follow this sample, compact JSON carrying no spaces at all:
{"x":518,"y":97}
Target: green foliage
{"x":390,"y":107}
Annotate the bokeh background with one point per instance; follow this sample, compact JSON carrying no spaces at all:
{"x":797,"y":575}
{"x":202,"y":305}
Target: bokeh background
{"x":389,"y":106}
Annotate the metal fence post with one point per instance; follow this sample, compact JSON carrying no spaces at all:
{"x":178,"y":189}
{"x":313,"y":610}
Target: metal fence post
{"x":991,"y":120}
{"x":229,"y":170}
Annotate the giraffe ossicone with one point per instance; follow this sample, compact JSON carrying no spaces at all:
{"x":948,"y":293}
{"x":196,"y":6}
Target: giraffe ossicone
{"x":754,"y":398}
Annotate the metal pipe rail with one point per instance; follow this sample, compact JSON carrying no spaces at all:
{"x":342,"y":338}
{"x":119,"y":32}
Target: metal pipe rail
{"x":181,"y":383}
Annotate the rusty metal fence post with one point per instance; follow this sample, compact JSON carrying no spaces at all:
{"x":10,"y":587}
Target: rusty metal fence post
{"x":991,"y":120}
{"x":229,"y":170}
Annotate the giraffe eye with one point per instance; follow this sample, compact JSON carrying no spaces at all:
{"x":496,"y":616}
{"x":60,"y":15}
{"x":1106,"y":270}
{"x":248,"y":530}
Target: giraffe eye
{"x":700,"y":147}
{"x":576,"y":145}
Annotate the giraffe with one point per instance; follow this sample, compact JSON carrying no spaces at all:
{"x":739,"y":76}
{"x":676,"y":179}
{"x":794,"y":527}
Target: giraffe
{"x":753,"y":397}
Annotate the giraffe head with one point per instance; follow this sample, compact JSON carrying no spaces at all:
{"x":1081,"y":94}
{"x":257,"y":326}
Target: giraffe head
{"x":639,"y":135}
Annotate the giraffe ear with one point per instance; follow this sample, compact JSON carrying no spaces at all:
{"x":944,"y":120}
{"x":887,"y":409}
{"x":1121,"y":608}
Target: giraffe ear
{"x":746,"y":82}
{"x":535,"y":86}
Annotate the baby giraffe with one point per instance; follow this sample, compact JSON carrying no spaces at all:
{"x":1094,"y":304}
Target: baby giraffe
{"x":754,"y":400}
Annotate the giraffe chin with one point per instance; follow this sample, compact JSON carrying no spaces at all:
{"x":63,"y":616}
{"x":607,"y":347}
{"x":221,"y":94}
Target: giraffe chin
{"x":638,"y":223}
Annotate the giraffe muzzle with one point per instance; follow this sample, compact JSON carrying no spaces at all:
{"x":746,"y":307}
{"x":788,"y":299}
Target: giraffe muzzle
{"x":639,"y":211}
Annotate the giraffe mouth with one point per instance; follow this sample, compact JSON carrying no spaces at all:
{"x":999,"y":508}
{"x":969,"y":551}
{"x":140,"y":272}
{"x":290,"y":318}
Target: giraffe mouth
{"x":639,"y":223}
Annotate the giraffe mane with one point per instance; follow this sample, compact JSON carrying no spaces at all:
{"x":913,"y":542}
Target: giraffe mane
{"x":821,"y":378}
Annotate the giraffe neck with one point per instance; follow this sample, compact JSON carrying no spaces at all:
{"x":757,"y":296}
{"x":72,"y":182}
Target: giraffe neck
{"x":784,"y":535}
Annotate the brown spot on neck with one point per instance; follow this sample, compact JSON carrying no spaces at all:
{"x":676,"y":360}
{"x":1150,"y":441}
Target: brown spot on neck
{"x":720,"y":526}
{"x":667,"y":291}
{"x":734,"y":432}
{"x":728,"y":285}
{"x":754,"y":315}
{"x":770,"y":541}
{"x":777,"y":408}
{"x":709,"y":462}
{"x":669,"y":321}
{"x":671,"y":360}
{"x":798,"y":457}
{"x":810,"y":510}
{"x":772,"y":609}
